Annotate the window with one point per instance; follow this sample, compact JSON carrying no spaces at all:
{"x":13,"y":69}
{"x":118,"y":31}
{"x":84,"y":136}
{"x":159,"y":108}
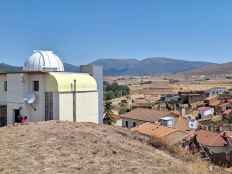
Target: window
{"x":5,"y":85}
{"x":36,"y":85}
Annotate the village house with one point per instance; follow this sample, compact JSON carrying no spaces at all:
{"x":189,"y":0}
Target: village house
{"x":139,"y":116}
{"x":227,"y":115}
{"x":162,"y":134}
{"x":212,"y":101}
{"x":184,"y":101}
{"x":167,"y":121}
{"x":204,"y":112}
{"x":117,"y":120}
{"x":215,"y":147}
{"x":43,"y":91}
{"x":192,"y":123}
{"x":191,"y":97}
{"x":224,"y":106}
{"x":216,"y":91}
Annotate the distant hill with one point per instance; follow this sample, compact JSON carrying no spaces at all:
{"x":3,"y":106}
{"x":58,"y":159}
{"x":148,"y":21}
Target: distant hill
{"x":213,"y":69}
{"x":148,"y":66}
{"x":71,"y":68}
{"x":9,"y":68}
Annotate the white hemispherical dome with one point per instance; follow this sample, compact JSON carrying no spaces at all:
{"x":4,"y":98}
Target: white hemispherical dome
{"x":43,"y":61}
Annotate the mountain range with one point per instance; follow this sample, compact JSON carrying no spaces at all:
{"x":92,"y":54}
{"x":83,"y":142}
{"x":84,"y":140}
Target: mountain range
{"x":213,"y":69}
{"x":6,"y":68}
{"x":148,"y":66}
{"x":9,"y":68}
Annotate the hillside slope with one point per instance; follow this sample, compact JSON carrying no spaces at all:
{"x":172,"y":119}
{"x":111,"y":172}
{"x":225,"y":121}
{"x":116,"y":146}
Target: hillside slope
{"x":65,"y":147}
{"x":9,"y":68}
{"x":148,"y":66}
{"x":214,"y":69}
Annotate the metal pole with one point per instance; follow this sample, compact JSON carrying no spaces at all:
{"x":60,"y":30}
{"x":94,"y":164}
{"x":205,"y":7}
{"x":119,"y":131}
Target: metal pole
{"x":74,"y":102}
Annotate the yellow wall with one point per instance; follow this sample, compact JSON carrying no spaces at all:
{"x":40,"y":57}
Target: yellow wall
{"x":64,"y":82}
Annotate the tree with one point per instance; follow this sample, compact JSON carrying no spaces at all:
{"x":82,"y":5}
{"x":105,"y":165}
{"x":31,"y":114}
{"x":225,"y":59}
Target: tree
{"x":108,"y":119}
{"x":114,"y":90}
{"x":108,"y":95}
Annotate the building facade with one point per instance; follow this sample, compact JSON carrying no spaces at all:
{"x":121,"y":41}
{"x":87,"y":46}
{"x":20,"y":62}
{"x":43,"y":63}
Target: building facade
{"x":43,"y":91}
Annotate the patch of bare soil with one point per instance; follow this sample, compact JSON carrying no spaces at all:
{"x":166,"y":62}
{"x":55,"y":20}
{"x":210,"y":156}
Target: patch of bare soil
{"x":65,"y":147}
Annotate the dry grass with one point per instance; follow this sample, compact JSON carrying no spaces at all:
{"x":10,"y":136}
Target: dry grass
{"x":197,"y":164}
{"x":64,"y":147}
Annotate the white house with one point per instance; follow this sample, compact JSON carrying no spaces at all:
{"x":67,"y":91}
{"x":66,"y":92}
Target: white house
{"x":43,"y":91}
{"x":216,"y":91}
{"x":167,"y":121}
{"x":204,"y":112}
{"x":192,"y":123}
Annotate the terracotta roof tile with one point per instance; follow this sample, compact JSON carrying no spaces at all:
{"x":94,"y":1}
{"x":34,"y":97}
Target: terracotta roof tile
{"x":143,"y":114}
{"x":209,"y":138}
{"x":155,"y":130}
{"x":182,"y":124}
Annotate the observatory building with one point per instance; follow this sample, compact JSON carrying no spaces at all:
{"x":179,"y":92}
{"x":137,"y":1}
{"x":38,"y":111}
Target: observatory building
{"x":43,"y":91}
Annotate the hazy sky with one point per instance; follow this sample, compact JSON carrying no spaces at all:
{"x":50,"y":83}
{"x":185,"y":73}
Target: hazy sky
{"x":80,"y":31}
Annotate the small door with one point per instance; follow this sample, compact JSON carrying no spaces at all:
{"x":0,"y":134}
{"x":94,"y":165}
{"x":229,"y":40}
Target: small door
{"x":48,"y":106}
{"x":17,"y":116}
{"x":3,"y":115}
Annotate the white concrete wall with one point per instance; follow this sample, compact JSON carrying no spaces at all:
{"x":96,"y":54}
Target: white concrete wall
{"x":130,"y":123}
{"x":39,"y":105}
{"x":19,"y":86}
{"x":66,"y":106}
{"x":97,"y":73}
{"x":14,"y":95}
{"x":15,"y":88}
{"x":87,"y":107}
{"x":207,"y":112}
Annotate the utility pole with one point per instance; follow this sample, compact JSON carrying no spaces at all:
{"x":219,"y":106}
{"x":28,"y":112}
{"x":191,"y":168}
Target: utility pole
{"x":74,"y":102}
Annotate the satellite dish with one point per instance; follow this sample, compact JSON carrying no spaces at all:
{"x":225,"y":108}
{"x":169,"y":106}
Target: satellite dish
{"x":30,"y":99}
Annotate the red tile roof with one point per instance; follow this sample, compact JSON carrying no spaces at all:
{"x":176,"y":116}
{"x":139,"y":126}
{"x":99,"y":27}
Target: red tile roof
{"x":163,"y":134}
{"x":143,"y":114}
{"x":154,"y":130}
{"x":210,"y":138}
